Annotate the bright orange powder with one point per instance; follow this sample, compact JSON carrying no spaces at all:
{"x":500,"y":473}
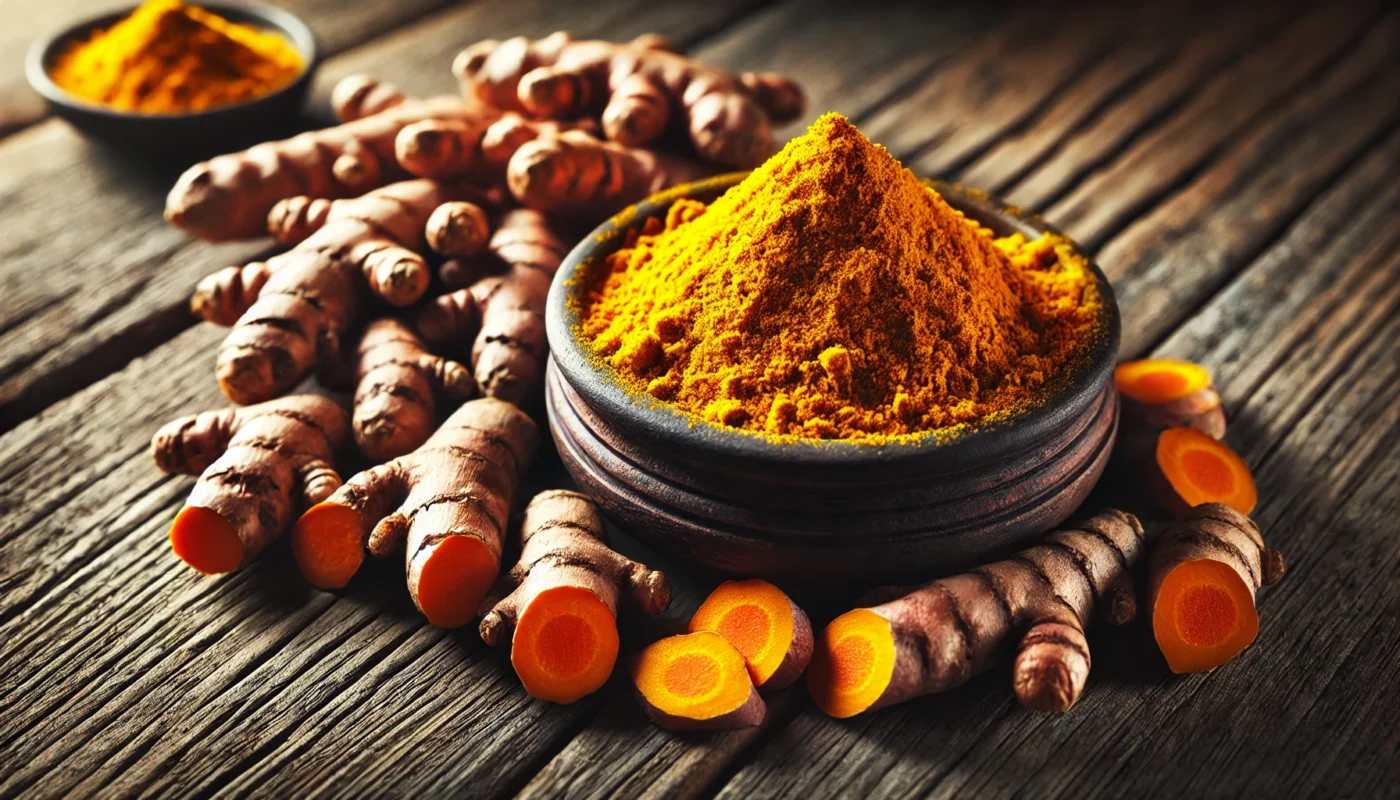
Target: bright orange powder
{"x":832,"y":295}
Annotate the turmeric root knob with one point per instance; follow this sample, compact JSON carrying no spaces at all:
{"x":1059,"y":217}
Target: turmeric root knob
{"x":764,"y":625}
{"x":446,"y":505}
{"x":253,"y":463}
{"x":458,"y":229}
{"x":1203,"y":574}
{"x":359,"y":96}
{"x":1039,"y":602}
{"x":697,"y":681}
{"x":560,"y":615}
{"x":397,"y":383}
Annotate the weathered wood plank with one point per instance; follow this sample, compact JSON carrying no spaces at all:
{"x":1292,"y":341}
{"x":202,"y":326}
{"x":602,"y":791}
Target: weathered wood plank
{"x":1176,"y":149}
{"x":1317,"y":403}
{"x":126,"y":275}
{"x":337,"y":25}
{"x":185,"y":683}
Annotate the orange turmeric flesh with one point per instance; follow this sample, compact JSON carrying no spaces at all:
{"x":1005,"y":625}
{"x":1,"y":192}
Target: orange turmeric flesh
{"x":1203,"y":616}
{"x":1160,"y":380}
{"x":1202,"y":470}
{"x":206,"y":541}
{"x":773,"y":635}
{"x":852,"y":664}
{"x":565,"y":644}
{"x":453,"y":580}
{"x":697,"y":681}
{"x":329,"y":545}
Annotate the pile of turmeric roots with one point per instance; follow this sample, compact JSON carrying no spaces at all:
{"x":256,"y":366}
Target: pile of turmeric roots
{"x":422,"y":237}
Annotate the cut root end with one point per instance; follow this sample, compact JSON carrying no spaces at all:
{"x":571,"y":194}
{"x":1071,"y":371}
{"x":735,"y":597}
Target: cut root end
{"x":565,"y":645}
{"x":697,"y":681}
{"x":1199,"y":470}
{"x":454,"y":578}
{"x":852,"y":663}
{"x":763,"y":624}
{"x":1204,"y":615}
{"x":329,"y":544}
{"x":202,"y":538}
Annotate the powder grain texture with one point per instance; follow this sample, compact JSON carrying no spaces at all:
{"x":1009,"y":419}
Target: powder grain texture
{"x":831,"y":295}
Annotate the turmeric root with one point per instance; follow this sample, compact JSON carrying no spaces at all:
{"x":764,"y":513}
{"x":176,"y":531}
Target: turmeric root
{"x":697,"y":681}
{"x":457,"y":229}
{"x":1203,"y":573}
{"x":229,"y":196}
{"x":764,"y":625}
{"x":574,"y":173}
{"x":635,"y":87}
{"x":359,"y":96}
{"x":560,"y":615}
{"x":253,"y":463}
{"x":297,"y":305}
{"x":474,"y":149}
{"x":445,"y":504}
{"x":510,"y":347}
{"x":1161,"y":393}
{"x":937,"y":637}
{"x":397,"y":382}
{"x":1189,"y":468}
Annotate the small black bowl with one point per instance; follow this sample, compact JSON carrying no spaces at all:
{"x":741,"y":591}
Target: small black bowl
{"x":828,"y":511}
{"x":185,"y":136}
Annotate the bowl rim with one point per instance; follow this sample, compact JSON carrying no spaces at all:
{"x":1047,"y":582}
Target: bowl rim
{"x":39,"y":58}
{"x":661,"y":423}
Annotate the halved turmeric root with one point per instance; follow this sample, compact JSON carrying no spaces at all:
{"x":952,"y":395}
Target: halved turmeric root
{"x":938,"y":636}
{"x":560,"y":615}
{"x":251,"y":463}
{"x":1191,"y":469}
{"x":1161,"y":393}
{"x":768,"y":629}
{"x":446,"y":503}
{"x":1203,"y":574}
{"x":697,"y":681}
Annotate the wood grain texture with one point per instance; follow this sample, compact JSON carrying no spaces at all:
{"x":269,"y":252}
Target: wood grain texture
{"x":337,"y":25}
{"x":126,"y":276}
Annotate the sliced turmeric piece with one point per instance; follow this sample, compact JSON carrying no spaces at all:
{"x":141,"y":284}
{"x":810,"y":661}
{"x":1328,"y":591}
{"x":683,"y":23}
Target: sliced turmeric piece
{"x":938,"y":636}
{"x":560,"y":616}
{"x":1163,"y":393}
{"x":445,"y":504}
{"x":697,"y":681}
{"x":772,"y":634}
{"x":1196,"y":469}
{"x":1203,"y":574}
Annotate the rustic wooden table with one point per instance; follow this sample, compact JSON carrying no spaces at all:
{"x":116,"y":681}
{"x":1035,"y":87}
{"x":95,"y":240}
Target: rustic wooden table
{"x":1236,"y":171}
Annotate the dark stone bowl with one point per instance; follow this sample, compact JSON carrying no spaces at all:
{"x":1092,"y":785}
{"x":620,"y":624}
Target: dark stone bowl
{"x":190,"y":136}
{"x":828,"y":511}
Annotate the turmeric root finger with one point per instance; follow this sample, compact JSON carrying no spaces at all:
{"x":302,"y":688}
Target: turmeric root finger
{"x":697,"y":681}
{"x":252,"y":463}
{"x":223,"y":297}
{"x":561,"y":614}
{"x":937,"y":637}
{"x":510,"y":347}
{"x":314,"y":291}
{"x":229,"y":196}
{"x":445,"y":505}
{"x":477,"y":150}
{"x":458,"y":229}
{"x":574,"y":173}
{"x":778,"y":95}
{"x":1203,"y":574}
{"x":397,"y":382}
{"x":768,"y":629}
{"x":359,"y":96}
{"x":1161,"y":393}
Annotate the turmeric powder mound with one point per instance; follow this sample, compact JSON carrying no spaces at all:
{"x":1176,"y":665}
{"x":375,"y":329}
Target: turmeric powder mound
{"x":831,"y":295}
{"x":168,"y":58}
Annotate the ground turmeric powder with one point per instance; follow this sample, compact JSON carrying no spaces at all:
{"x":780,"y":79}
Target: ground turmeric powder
{"x":168,"y":58}
{"x":831,"y":294}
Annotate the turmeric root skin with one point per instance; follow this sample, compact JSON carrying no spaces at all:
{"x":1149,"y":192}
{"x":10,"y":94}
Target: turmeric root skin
{"x":937,"y":637}
{"x":1203,"y":574}
{"x":445,"y":505}
{"x":254,"y":464}
{"x":359,"y":96}
{"x":398,"y":382}
{"x":574,"y":173}
{"x":561,"y":608}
